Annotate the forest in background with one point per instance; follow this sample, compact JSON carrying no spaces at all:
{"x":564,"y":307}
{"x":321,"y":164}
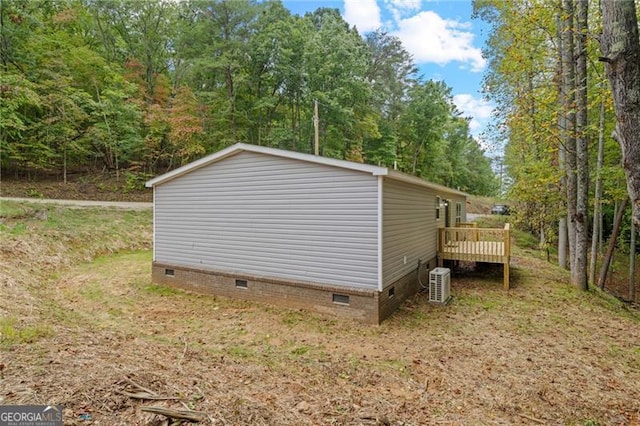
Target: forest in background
{"x":551,"y":68}
{"x":142,"y":87}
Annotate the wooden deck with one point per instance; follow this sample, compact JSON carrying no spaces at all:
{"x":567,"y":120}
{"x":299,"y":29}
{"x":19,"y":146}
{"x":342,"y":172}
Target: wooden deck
{"x":469,"y":243}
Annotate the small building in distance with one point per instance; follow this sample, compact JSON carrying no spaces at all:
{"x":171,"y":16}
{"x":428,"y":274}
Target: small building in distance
{"x":299,"y":230}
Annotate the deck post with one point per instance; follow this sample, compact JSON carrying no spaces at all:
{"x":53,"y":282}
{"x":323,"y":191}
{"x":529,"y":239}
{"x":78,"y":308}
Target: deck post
{"x":506,"y":275}
{"x":507,"y":254}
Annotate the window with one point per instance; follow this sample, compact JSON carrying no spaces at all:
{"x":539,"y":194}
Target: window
{"x":392,"y":292}
{"x":437,"y":207}
{"x":242,"y":284}
{"x":170,"y":272}
{"x":340,"y":299}
{"x":458,"y":212}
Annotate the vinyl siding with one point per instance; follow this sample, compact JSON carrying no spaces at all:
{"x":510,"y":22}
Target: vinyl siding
{"x":409,"y":228}
{"x":269,"y":216}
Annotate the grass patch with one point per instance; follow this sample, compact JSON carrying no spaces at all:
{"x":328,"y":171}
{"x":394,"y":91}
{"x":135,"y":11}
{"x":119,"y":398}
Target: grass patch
{"x":161,"y":290}
{"x":93,"y":292}
{"x":486,"y":301}
{"x":12,"y":333}
{"x":412,"y":317}
{"x":525,"y":239}
{"x":240,"y":352}
{"x":300,"y":350}
{"x":12,"y":209}
{"x":18,"y":229}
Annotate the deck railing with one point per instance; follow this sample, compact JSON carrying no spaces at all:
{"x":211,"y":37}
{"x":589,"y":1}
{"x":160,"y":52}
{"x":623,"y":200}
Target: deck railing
{"x":474,"y":244}
{"x":466,"y":225}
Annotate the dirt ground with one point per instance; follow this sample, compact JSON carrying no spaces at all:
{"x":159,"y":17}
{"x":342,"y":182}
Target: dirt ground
{"x":100,"y":332}
{"x":101,"y":187}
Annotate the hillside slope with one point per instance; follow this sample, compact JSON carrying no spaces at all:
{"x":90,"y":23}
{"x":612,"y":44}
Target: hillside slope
{"x":81,"y":322}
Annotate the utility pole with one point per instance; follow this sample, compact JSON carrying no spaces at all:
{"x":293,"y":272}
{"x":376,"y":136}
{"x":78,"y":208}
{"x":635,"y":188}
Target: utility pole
{"x":316,"y":122}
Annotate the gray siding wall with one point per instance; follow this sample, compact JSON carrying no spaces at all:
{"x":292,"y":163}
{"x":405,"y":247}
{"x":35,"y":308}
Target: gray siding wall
{"x":409,"y":228}
{"x":274,"y":217}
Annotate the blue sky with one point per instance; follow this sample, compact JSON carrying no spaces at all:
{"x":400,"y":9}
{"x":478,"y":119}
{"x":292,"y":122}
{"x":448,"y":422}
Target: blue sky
{"x":445,"y":42}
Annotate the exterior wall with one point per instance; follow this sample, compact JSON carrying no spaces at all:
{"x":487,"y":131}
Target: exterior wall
{"x":403,"y":289}
{"x":363,"y":304}
{"x":268,"y":216}
{"x":409,"y":228}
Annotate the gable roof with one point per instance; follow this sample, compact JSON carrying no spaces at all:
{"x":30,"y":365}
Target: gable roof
{"x":243,"y":147}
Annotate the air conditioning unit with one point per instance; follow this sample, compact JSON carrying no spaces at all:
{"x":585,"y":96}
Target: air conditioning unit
{"x":440,"y":285}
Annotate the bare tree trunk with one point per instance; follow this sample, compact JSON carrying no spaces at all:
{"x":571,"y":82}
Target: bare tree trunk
{"x":632,"y":264}
{"x":415,"y":160}
{"x":569,"y":84}
{"x":64,"y":166}
{"x":604,"y":269}
{"x":582,"y":150}
{"x":562,"y":222}
{"x":620,"y":45}
{"x":562,"y":243}
{"x":597,"y":208}
{"x":600,"y":229}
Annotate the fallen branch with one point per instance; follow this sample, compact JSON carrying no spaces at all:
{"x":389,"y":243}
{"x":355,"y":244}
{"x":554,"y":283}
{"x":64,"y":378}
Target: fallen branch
{"x":184,"y":352}
{"x":142,"y":388}
{"x":188,"y":415}
{"x":533,"y":419}
{"x":146,"y":395}
{"x":380,"y":420}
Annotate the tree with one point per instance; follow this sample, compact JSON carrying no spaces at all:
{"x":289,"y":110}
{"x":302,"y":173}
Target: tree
{"x":632,"y":263}
{"x":336,"y":61}
{"x":423,"y":124}
{"x":523,"y":81}
{"x":391,"y":73}
{"x":597,"y":199}
{"x":568,"y":129}
{"x":141,"y":31}
{"x":612,"y":243}
{"x":18,"y":100}
{"x":213,"y":40}
{"x":150,"y":85}
{"x":620,"y":45}
{"x":581,"y":225}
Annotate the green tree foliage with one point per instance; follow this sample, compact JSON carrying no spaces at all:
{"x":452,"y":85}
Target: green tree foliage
{"x":150,"y":85}
{"x":537,"y":108}
{"x":521,"y":51}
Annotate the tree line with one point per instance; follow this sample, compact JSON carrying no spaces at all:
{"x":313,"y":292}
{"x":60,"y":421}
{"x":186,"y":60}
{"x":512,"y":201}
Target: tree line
{"x":150,"y":85}
{"x":573,"y":151}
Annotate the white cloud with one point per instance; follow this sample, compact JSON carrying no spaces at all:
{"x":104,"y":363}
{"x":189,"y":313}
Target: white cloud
{"x":403,"y":5}
{"x":477,"y":109}
{"x":402,"y":8}
{"x":364,"y":14}
{"x":430,"y":38}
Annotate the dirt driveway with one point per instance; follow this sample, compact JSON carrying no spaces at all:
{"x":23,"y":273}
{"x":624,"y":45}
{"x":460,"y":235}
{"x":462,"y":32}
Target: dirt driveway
{"x":127,"y":205}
